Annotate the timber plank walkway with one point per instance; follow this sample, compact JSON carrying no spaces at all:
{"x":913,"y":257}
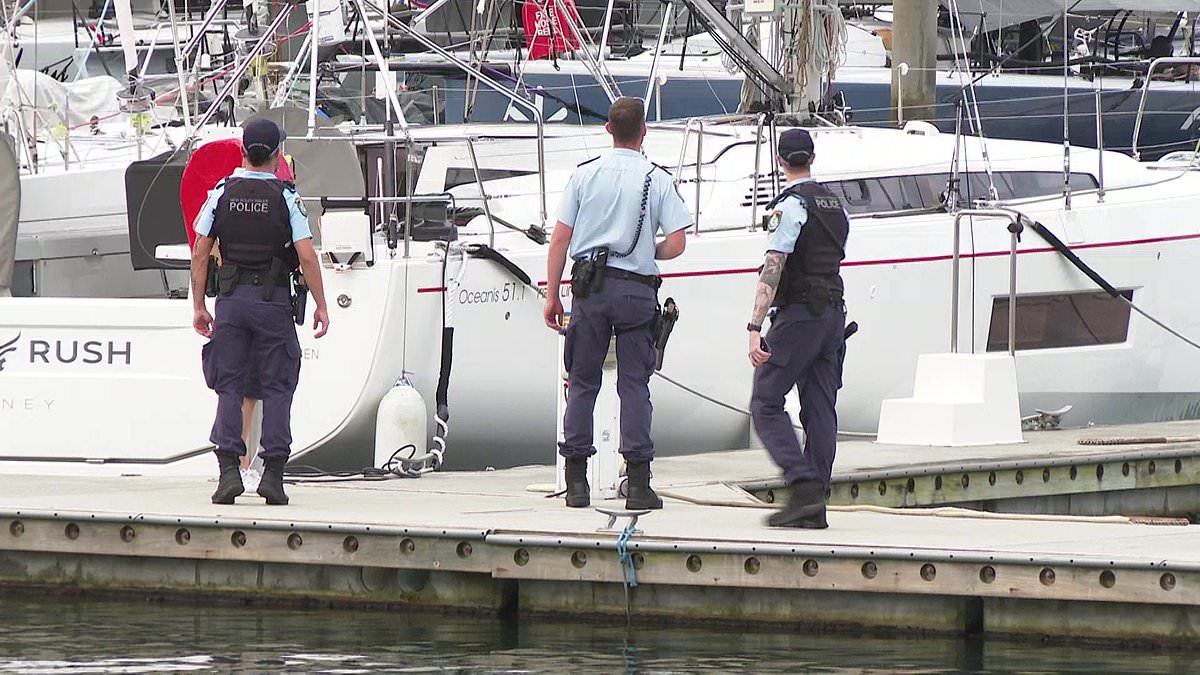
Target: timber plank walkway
{"x":491,"y":541}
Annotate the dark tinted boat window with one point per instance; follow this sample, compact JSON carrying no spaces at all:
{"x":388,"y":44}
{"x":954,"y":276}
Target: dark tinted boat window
{"x":1065,"y":320}
{"x":456,"y":176}
{"x":925,"y":191}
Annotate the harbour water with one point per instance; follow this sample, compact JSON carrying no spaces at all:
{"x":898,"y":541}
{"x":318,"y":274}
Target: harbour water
{"x":53,"y":634}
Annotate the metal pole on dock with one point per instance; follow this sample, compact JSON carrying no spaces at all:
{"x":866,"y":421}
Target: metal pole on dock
{"x":914,"y":35}
{"x":1066,"y":56}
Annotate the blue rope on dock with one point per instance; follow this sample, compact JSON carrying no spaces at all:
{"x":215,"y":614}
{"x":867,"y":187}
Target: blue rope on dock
{"x":627,"y":568}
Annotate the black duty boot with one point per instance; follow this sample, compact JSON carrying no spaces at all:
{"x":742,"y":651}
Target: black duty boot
{"x":230,"y":484}
{"x":271,"y":485}
{"x":579,"y":493}
{"x":640,"y":496}
{"x":805,"y":507}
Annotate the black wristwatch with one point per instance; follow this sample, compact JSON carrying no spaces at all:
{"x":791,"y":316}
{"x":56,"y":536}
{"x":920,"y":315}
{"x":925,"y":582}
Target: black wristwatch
{"x":754,"y":328}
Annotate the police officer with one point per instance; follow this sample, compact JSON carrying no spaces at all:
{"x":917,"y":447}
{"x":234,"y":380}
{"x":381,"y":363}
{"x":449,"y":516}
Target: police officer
{"x":611,"y":210}
{"x":804,"y":347}
{"x":261,"y":228}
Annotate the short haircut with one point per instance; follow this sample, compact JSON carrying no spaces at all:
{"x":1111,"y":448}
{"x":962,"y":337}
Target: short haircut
{"x":626,"y":117}
{"x":258,"y":155}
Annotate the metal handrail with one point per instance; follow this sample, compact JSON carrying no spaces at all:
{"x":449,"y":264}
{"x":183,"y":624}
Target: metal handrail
{"x":607,"y":82}
{"x":1166,"y":60}
{"x":499,"y":88}
{"x":668,"y":12}
{"x":608,"y":12}
{"x":487,"y":211}
{"x":687,"y":132}
{"x":191,"y":45}
{"x":1015,"y":225}
{"x":1099,"y":146}
{"x":758,"y":138}
{"x":159,"y":27}
{"x":236,"y":76}
{"x":774,"y":153}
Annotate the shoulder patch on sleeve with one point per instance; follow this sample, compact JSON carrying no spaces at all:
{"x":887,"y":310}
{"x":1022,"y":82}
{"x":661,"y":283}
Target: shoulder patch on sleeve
{"x":774,"y":220}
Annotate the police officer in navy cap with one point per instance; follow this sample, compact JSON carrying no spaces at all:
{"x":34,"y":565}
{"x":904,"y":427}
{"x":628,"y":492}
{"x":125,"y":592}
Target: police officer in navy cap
{"x":800,"y":277}
{"x":261,"y":228}
{"x":611,"y":211}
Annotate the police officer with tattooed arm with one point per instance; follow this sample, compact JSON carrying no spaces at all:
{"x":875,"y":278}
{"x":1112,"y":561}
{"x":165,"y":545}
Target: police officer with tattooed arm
{"x":261,"y":228}
{"x":611,"y":209}
{"x":804,"y":348}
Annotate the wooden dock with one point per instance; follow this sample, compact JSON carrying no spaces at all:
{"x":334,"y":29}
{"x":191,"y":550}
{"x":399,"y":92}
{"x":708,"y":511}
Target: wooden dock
{"x":493,"y":542}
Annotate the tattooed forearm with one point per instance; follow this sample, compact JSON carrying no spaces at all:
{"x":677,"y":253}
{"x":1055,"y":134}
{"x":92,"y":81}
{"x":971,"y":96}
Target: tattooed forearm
{"x":768,"y":282}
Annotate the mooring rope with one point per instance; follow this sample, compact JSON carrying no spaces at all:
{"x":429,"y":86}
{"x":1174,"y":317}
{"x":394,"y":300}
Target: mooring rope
{"x":628,"y":570}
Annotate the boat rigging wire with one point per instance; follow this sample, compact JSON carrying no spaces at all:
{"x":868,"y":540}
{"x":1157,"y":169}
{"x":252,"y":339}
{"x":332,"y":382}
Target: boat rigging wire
{"x":972,"y":99}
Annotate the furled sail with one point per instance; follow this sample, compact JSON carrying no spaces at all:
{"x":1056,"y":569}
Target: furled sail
{"x":10,"y":211}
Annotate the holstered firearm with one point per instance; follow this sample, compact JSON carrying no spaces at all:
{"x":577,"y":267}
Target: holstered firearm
{"x":299,"y":297}
{"x":664,"y":323}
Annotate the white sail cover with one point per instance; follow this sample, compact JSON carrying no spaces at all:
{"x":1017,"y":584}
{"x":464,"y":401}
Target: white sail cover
{"x":46,"y":105}
{"x":10,"y":211}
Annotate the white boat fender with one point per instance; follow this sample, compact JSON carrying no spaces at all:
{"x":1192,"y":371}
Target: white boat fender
{"x":401,"y":426}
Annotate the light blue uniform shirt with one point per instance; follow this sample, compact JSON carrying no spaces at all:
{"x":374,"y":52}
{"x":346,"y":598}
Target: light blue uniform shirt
{"x":787,"y":220}
{"x":602,"y":203}
{"x":296,"y":212}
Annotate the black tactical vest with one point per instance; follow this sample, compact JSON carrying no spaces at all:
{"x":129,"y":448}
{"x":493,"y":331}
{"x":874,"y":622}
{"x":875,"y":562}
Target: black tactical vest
{"x":811,"y":273}
{"x":252,"y":224}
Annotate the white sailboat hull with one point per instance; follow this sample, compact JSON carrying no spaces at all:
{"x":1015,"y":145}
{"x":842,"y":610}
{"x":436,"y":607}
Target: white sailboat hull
{"x":144,"y":400}
{"x":115,"y":385}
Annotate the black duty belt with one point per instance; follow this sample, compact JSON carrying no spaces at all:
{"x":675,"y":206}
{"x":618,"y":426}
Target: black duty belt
{"x":260,"y":278}
{"x":652,"y":280}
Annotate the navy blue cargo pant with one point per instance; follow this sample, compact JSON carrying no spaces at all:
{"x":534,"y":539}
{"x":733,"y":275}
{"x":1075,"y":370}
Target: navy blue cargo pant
{"x":806,"y":353}
{"x":624,"y":307}
{"x":249,"y":330}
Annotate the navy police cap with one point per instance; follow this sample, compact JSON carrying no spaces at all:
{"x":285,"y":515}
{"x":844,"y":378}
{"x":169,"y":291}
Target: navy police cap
{"x":795,"y":141}
{"x":263,"y":133}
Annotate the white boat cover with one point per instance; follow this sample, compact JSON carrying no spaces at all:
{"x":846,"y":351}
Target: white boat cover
{"x":46,"y":102}
{"x":10,"y":211}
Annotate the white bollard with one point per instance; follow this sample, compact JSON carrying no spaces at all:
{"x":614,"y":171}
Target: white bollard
{"x":604,"y":468}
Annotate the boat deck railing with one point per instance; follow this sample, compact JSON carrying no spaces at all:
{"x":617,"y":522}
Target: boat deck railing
{"x":1015,"y":225}
{"x":1154,"y":65}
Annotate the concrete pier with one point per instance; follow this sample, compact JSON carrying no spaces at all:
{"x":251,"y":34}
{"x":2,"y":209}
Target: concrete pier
{"x":493,"y":542}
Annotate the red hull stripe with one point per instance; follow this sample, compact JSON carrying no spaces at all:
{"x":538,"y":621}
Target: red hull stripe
{"x":909,"y":261}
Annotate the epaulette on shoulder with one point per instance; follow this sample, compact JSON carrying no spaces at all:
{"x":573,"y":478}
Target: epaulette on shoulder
{"x":588,"y":161}
{"x":663,"y":168}
{"x":289,"y":185}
